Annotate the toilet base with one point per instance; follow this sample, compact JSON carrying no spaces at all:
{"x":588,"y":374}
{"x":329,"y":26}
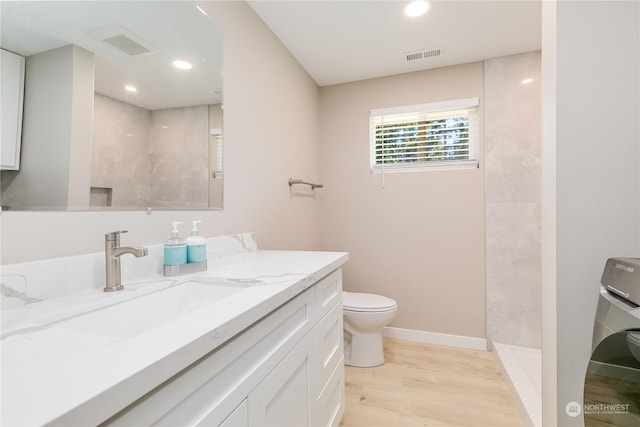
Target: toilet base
{"x":366,"y":350}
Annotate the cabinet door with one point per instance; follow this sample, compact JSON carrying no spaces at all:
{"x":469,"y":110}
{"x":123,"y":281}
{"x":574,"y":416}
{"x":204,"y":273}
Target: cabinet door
{"x":329,"y":347}
{"x":330,"y":404}
{"x":283,"y":398}
{"x":11,"y":107}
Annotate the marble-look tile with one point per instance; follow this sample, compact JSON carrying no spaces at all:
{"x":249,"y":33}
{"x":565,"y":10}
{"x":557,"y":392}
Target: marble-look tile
{"x":218,"y":247}
{"x":512,"y":180}
{"x":514,"y":273}
{"x":47,"y":279}
{"x":120,"y":152}
{"x":513,"y":239}
{"x":512,"y":128}
{"x":502,"y":328}
{"x":30,"y":282}
{"x":180,"y":173}
{"x":151,"y":158}
{"x":13,"y":291}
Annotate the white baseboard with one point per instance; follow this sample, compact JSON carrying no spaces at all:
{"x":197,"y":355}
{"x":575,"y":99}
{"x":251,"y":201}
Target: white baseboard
{"x":435,"y":338}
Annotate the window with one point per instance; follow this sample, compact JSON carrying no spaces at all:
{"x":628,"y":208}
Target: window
{"x":420,"y":137}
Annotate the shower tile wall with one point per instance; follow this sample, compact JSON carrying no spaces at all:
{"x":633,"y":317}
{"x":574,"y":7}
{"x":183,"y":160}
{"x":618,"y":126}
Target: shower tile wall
{"x":120,"y":152}
{"x":151,"y":158}
{"x":512,"y":177}
{"x":180,"y":175}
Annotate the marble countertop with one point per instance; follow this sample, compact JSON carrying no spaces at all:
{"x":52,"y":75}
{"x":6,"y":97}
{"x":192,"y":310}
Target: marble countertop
{"x":55,"y":374}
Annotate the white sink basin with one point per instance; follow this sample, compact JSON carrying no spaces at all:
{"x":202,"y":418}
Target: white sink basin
{"x":144,"y":313}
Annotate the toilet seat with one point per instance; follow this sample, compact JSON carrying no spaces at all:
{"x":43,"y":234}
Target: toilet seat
{"x":361,"y":302}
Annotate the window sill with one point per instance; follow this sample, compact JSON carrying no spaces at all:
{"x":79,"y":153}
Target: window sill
{"x":426,"y":167}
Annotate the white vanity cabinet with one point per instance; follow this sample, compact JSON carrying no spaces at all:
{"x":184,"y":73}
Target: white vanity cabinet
{"x":285,"y":370}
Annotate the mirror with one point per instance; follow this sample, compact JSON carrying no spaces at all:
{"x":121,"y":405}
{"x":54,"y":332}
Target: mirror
{"x":109,"y":122}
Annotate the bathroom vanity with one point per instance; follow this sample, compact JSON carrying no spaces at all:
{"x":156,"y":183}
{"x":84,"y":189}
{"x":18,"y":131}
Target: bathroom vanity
{"x":254,"y":340}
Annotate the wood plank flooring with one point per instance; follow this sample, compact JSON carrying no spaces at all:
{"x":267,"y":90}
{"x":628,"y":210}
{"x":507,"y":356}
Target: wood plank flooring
{"x":429,"y":385}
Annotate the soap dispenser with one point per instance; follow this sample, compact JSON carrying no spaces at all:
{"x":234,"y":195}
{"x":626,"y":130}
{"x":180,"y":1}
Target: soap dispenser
{"x":175,"y":249}
{"x":196,"y":246}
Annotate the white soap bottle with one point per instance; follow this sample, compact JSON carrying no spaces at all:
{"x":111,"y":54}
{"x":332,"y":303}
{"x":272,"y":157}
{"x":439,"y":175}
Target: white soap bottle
{"x":196,"y":245}
{"x":175,"y":249}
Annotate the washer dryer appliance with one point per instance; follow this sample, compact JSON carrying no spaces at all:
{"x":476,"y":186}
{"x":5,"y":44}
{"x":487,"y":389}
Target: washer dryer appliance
{"x":612,"y":381}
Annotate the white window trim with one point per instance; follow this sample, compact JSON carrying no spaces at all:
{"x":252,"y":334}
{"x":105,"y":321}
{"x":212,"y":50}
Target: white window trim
{"x":443,"y":106}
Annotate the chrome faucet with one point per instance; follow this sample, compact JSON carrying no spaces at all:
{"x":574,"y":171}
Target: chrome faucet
{"x":112,"y":253}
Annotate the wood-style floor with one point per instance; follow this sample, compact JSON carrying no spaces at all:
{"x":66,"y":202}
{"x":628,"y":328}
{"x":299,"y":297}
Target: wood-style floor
{"x":429,"y":385}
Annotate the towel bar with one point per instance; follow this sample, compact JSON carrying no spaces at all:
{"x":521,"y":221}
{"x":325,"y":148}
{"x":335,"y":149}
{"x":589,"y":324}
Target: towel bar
{"x":299,"y":181}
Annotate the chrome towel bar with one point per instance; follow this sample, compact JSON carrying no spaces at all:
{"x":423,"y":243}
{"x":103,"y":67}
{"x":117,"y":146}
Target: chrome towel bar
{"x":299,"y":181}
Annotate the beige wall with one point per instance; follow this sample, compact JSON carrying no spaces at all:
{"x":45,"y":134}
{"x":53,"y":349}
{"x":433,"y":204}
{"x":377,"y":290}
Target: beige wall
{"x":271,"y":111}
{"x":420,"y":240}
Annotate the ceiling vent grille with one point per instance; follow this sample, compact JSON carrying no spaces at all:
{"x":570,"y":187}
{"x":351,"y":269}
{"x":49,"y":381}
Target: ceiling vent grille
{"x":423,"y":54}
{"x":124,"y":40}
{"x":127,"y":45}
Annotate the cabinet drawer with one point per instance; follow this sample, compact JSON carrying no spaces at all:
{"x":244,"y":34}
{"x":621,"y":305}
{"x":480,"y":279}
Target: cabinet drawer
{"x":329,"y":406}
{"x":239,"y":417}
{"x":328,"y":292}
{"x":329,"y":346}
{"x":212,"y":387}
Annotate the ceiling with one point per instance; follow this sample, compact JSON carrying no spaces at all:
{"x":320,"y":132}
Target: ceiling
{"x":344,"y":41}
{"x":170,"y":29}
{"x":335,"y":41}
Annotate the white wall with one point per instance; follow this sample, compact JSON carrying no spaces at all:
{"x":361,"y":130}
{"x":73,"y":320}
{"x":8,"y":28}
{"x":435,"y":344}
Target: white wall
{"x":420,"y":240}
{"x":58,"y":86}
{"x":81,"y":127}
{"x":596,"y":141}
{"x":270,"y":108}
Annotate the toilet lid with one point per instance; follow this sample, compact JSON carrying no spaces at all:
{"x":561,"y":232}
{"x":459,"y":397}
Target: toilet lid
{"x":366,"y":302}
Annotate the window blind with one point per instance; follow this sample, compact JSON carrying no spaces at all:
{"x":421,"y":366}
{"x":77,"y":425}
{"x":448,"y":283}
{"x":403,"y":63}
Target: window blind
{"x":425,"y":136}
{"x":215,"y":153}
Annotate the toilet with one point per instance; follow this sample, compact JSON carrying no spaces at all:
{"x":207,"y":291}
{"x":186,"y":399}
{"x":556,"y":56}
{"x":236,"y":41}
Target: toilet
{"x":364,"y":317}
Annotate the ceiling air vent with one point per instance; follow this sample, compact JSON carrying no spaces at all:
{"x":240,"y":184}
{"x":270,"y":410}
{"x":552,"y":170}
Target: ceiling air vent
{"x":423,"y":54}
{"x":124,"y":40}
{"x":127,"y":45}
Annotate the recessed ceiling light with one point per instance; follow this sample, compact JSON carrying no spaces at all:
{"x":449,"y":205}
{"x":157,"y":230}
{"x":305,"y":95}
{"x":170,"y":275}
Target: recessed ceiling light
{"x":130,"y":88}
{"x":183,"y":65}
{"x":526,"y":81}
{"x":416,"y":8}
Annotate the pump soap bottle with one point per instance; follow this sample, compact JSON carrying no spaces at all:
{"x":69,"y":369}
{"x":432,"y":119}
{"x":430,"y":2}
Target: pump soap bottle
{"x":175,"y":249}
{"x":196,"y":245}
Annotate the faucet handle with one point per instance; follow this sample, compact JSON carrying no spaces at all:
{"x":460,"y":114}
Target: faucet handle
{"x":114,"y":235}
